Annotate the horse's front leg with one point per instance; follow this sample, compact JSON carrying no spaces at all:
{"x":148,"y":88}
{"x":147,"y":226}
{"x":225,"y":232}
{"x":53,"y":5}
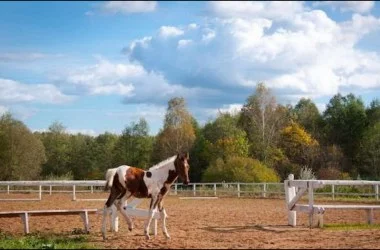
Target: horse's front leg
{"x":114,"y":219}
{"x":152,"y":211}
{"x":163,"y":218}
{"x":123,"y":209}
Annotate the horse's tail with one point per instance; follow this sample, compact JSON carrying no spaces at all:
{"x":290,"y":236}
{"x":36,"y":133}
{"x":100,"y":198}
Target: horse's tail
{"x":109,"y":178}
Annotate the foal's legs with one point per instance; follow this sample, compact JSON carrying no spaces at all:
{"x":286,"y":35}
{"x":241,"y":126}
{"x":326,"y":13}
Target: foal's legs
{"x":114,"y":218}
{"x":163,"y":218}
{"x":123,"y":209}
{"x":107,"y":207}
{"x":152,"y":211}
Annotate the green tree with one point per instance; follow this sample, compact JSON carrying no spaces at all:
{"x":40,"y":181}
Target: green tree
{"x":200,"y":158}
{"x":21,"y":152}
{"x":105,"y":148}
{"x":57,"y":148}
{"x":135,"y":146}
{"x":240,"y":169}
{"x":308,"y":116}
{"x":262,"y":119}
{"x":225,"y":138}
{"x":81,"y":157}
{"x":298,"y":145}
{"x":178,"y":134}
{"x":370,"y":153}
{"x":346,"y":120}
{"x":373,"y":112}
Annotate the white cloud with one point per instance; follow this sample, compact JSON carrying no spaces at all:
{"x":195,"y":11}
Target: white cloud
{"x":304,"y":51}
{"x":169,"y":31}
{"x":344,"y":6}
{"x":105,"y":78}
{"x":208,"y":35}
{"x":192,"y":26}
{"x":184,"y":43}
{"x":16,"y":92}
{"x":276,"y":10}
{"x":127,"y":7}
{"x":231,"y":108}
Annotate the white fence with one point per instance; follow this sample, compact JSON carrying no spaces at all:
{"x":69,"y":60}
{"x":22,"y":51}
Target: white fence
{"x":295,"y":189}
{"x":220,"y":189}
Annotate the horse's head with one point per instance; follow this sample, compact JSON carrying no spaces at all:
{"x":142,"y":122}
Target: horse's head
{"x":182,"y":167}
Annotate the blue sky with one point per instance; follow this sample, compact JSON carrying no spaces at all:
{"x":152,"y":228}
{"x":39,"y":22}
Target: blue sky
{"x":98,"y":66}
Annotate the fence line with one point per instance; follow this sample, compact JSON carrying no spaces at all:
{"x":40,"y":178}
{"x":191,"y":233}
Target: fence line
{"x":237,"y":189}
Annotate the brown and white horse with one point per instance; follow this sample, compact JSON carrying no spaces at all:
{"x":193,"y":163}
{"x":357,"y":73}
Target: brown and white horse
{"x":154,"y":183}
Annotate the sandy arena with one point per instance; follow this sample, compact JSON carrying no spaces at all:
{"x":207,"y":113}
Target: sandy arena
{"x":219,"y":223}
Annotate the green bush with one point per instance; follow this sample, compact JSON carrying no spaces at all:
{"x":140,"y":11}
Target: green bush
{"x":239,"y":169}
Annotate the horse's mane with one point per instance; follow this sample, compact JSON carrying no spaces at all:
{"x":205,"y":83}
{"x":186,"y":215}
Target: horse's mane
{"x":163,"y":163}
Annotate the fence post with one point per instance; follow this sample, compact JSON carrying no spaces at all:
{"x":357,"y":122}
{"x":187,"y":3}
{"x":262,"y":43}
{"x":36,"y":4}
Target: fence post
{"x":40,"y":193}
{"x":50,"y":190}
{"x":74,"y":197}
{"x":175,"y":188}
{"x":377,"y":192}
{"x":264,"y":190}
{"x":290,"y":193}
{"x":214,"y":189}
{"x":311,"y":202}
{"x":238,"y":189}
{"x":194,"y":189}
{"x":92,"y":189}
{"x":333,"y":191}
{"x":7,"y":189}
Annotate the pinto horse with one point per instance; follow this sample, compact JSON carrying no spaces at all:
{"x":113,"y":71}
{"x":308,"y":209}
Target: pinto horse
{"x":154,"y":183}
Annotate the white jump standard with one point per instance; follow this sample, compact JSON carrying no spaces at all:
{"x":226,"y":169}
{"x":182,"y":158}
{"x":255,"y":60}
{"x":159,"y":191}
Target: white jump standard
{"x":295,"y":189}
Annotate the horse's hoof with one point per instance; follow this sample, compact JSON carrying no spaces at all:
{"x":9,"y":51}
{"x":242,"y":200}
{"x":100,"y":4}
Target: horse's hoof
{"x":147,"y":237}
{"x":130,"y":229}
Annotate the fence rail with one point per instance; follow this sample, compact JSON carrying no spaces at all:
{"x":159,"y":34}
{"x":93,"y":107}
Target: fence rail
{"x":220,"y":189}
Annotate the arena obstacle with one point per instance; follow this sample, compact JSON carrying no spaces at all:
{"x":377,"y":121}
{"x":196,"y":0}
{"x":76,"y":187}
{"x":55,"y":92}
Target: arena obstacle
{"x":132,"y":211}
{"x":295,"y":189}
{"x":26,"y":214}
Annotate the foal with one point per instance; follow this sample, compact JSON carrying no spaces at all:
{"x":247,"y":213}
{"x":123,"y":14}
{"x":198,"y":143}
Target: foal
{"x":154,"y":183}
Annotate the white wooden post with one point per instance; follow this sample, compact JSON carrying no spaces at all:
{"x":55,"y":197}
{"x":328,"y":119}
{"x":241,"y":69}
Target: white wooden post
{"x":50,"y":190}
{"x":7,"y":189}
{"x":25,"y":220}
{"x":92,"y":189}
{"x":264,"y":190}
{"x":311,"y":202}
{"x":333,"y":191}
{"x":377,"y":192}
{"x":40,"y":193}
{"x":370,"y":216}
{"x":74,"y":197}
{"x":290,"y":193}
{"x":238,"y":189}
{"x":214,"y":189}
{"x":194,"y":189}
{"x":175,"y":188}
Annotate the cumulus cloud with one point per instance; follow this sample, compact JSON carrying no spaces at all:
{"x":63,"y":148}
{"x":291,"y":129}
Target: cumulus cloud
{"x":16,"y":92}
{"x":276,"y":10}
{"x":345,"y":6}
{"x":127,"y":7}
{"x":169,"y":31}
{"x":184,"y":43}
{"x":303,"y":51}
{"x":129,"y":80}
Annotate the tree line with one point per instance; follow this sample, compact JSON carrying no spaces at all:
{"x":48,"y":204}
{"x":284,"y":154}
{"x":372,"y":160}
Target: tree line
{"x":263,"y":142}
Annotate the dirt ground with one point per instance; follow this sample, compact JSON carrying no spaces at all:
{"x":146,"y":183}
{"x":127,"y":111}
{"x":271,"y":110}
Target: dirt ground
{"x":219,"y":223}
